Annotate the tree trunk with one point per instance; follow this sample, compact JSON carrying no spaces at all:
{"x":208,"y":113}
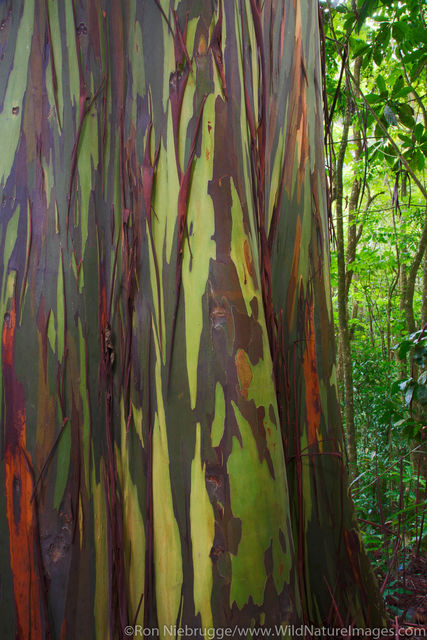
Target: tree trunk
{"x":158,"y":167}
{"x":343,"y":328}
{"x":354,"y":232}
{"x":424,"y":304}
{"x":408,"y":288}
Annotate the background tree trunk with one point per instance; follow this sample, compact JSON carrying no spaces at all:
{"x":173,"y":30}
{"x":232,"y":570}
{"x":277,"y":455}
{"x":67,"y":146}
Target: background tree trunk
{"x":344,"y":339}
{"x":163,"y":232}
{"x":408,"y":284}
{"x":424,"y":305}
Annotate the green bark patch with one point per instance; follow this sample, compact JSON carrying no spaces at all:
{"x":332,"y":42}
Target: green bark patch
{"x":11,"y":114}
{"x":202,"y":536}
{"x":219,"y":418}
{"x":249,"y":493}
{"x":195,"y":268}
{"x":167,"y":546}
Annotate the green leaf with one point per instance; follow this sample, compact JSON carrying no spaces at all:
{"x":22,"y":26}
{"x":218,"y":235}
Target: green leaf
{"x":402,"y":93}
{"x":419,"y":34}
{"x":367,"y":58}
{"x":420,"y":160}
{"x":366,"y":8}
{"x":419,"y":131}
{"x":360,"y":49}
{"x":418,"y":67}
{"x":407,"y":142}
{"x":373,"y":98}
{"x":383,"y":37}
{"x":369,"y":119}
{"x":413,"y":56}
{"x":378,"y":56}
{"x":349,"y":21}
{"x":406,"y":115}
{"x":390,"y":155}
{"x":398,"y":32}
{"x":398,"y":86}
{"x":382,"y":85}
{"x":395,"y":387}
{"x":378,"y":131}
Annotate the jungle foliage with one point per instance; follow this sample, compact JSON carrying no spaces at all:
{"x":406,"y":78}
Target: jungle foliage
{"x":376,"y":135}
{"x":172,"y":449}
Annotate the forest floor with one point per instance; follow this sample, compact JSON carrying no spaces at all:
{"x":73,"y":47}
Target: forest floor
{"x":406,"y":595}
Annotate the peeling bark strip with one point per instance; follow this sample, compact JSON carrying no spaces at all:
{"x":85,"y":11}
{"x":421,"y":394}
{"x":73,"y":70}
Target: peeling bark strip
{"x":171,"y":449}
{"x":18,"y":486}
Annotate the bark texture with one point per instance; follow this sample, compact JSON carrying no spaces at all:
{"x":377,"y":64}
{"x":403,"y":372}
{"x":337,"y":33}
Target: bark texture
{"x":164,"y":273}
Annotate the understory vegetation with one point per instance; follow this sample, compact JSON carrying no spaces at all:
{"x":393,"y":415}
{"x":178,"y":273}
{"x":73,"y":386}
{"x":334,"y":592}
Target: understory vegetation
{"x":376,"y":141}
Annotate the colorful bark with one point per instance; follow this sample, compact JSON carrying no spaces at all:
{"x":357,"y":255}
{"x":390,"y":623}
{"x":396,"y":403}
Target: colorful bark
{"x":159,"y":161}
{"x":329,"y":550}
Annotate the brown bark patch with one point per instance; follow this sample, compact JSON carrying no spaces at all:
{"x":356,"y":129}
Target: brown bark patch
{"x":248,"y":258}
{"x":244,"y":372}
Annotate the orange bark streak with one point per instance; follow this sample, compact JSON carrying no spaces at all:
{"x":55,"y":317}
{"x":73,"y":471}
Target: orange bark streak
{"x":248,"y":258}
{"x":244,"y":372}
{"x":20,"y":516}
{"x":103,"y":306}
{"x":282,"y":31}
{"x":19,"y":487}
{"x":8,"y":336}
{"x":303,"y":146}
{"x":63,"y":631}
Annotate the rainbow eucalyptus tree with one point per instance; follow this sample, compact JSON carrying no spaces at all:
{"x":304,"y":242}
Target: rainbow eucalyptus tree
{"x":171,"y":445}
